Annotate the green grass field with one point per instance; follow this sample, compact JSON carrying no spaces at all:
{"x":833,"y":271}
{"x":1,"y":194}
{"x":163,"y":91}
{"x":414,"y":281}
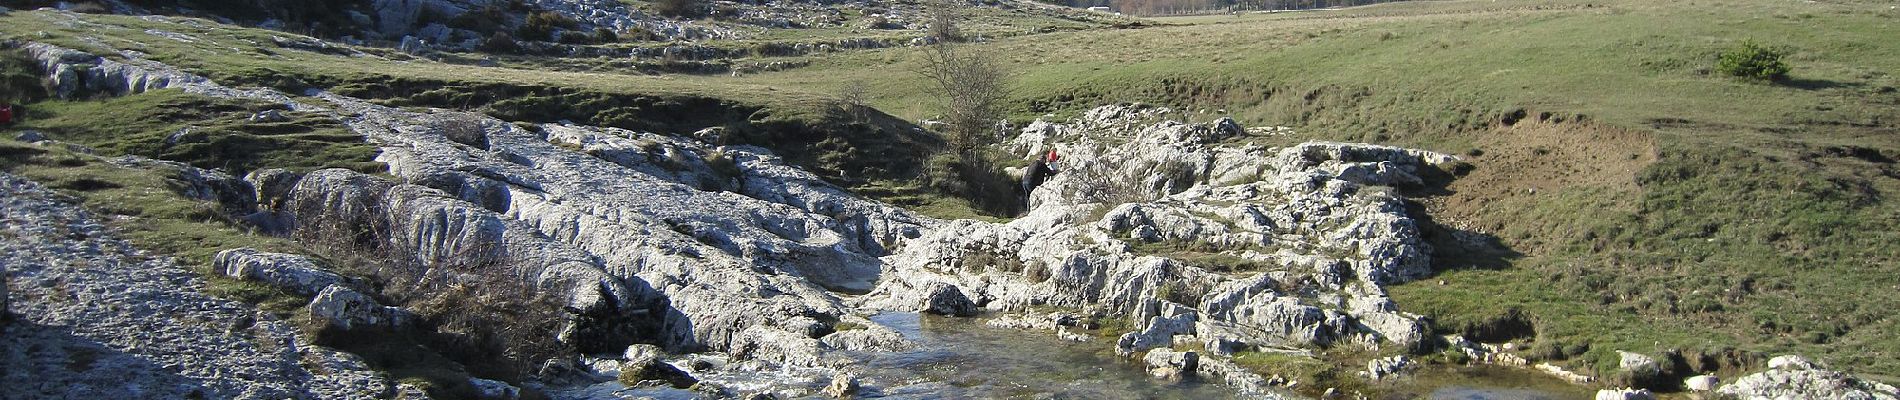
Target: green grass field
{"x":1642,"y":201}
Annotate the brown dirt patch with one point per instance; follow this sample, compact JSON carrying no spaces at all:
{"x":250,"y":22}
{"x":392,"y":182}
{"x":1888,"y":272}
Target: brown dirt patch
{"x":1532,"y":159}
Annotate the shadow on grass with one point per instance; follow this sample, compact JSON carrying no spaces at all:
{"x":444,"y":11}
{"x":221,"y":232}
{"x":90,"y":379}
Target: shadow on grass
{"x":1818,"y":84}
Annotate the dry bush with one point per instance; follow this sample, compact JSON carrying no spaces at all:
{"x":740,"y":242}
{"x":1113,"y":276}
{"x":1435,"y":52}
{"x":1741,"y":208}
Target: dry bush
{"x":475,"y":308}
{"x":1115,"y":180}
{"x":972,"y":81}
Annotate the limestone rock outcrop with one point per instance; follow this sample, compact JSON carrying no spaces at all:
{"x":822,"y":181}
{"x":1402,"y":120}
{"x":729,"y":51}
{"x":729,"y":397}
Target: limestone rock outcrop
{"x":1794,"y":377}
{"x":345,"y":309}
{"x":292,"y":273}
{"x":1318,"y":222}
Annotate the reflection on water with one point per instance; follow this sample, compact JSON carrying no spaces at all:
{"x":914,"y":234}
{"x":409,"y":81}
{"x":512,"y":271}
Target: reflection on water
{"x":1466,"y":393}
{"x":963,"y":358}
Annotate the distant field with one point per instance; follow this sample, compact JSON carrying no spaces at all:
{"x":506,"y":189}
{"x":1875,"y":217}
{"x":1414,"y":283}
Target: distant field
{"x":1642,"y":202}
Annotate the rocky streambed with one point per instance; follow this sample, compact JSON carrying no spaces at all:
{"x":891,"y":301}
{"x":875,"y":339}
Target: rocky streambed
{"x":1167,"y":247}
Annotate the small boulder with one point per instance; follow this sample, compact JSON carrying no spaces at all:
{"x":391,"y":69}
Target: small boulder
{"x":289,"y":272}
{"x":1169,"y":364}
{"x":1638,"y":370}
{"x":31,"y":137}
{"x":946,"y":299}
{"x":494,"y":390}
{"x":645,"y":366}
{"x":1386,"y":367}
{"x":338,"y":307}
{"x":1145,"y":233}
{"x":411,"y":45}
{"x":1701,"y":383}
{"x":269,"y":116}
{"x":1625,"y":394}
{"x":842,"y":386}
{"x":1790,"y":362}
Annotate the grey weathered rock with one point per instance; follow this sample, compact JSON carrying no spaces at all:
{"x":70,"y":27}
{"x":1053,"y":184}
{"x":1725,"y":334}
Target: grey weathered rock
{"x":1701,"y":383}
{"x":341,"y":308}
{"x":842,"y":386}
{"x":1790,"y":362}
{"x":1160,"y":330}
{"x":494,"y":390}
{"x":1637,"y":367}
{"x":292,"y":273}
{"x":412,"y":45}
{"x":1386,"y":367}
{"x":30,"y":136}
{"x":1170,"y":364}
{"x":644,"y":363}
{"x":1625,"y":394}
{"x":269,"y":116}
{"x":1795,"y":377}
{"x":947,"y":299}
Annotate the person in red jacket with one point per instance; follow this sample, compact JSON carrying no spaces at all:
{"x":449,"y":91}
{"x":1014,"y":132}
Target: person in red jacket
{"x":6,"y":113}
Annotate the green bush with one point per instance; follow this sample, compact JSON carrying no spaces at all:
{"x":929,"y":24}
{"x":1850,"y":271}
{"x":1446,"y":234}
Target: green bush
{"x":1753,"y":61}
{"x":541,"y":26}
{"x":19,"y":78}
{"x":679,"y":8}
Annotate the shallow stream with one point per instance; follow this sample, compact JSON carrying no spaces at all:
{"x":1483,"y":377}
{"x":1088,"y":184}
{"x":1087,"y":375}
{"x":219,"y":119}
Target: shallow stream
{"x":962,"y":358}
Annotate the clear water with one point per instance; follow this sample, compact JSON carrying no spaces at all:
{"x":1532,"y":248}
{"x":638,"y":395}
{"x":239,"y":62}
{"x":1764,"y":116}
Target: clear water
{"x":963,"y":358}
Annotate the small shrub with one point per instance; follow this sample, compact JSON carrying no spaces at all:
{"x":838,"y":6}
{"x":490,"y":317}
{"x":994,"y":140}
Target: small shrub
{"x":501,"y":43}
{"x":540,"y":26}
{"x":1036,"y":272}
{"x":679,"y":8}
{"x":1753,"y":61}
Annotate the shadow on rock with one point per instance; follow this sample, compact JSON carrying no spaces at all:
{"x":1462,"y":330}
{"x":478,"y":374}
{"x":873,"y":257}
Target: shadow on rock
{"x":50,"y":362}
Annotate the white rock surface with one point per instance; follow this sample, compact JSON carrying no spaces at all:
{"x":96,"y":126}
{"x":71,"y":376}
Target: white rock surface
{"x":292,"y":273}
{"x":1295,"y":212}
{"x":1701,"y":383}
{"x":1625,"y":394}
{"x":1795,"y":377}
{"x":342,"y":308}
{"x":99,"y":319}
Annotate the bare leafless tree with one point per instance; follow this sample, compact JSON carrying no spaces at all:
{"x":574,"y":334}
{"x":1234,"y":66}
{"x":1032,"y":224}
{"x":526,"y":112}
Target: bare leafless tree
{"x":970,"y":80}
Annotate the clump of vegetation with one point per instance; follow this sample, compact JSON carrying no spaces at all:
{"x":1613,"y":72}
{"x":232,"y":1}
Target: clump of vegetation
{"x":1753,"y":61}
{"x":541,"y":25}
{"x":501,"y":43}
{"x":19,"y":78}
{"x":680,"y":8}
